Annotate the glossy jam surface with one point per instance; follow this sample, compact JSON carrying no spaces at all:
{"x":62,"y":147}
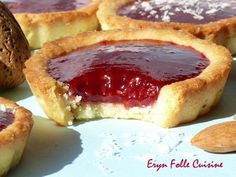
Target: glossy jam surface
{"x":128,"y":72}
{"x":41,"y":6}
{"x":6,"y":118}
{"x":183,"y":11}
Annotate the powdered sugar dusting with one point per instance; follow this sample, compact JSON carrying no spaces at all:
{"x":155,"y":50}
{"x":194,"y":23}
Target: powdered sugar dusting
{"x":167,"y":10}
{"x":119,"y":147}
{"x":3,"y":108}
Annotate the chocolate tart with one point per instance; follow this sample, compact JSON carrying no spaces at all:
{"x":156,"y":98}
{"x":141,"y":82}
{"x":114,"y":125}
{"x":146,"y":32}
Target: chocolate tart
{"x":47,"y":20}
{"x":214,"y":20}
{"x":163,"y":76}
{"x":15,"y":126}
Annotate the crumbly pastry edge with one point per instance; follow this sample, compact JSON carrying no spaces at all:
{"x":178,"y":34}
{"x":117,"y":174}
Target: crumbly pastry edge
{"x":44,"y":27}
{"x":222,"y":32}
{"x":13,"y":139}
{"x":177,"y":103}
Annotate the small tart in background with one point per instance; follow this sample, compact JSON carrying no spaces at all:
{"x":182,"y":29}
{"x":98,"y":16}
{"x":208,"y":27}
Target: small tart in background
{"x":46,"y":20}
{"x":162,"y":76}
{"x":214,"y":20}
{"x":15,"y":126}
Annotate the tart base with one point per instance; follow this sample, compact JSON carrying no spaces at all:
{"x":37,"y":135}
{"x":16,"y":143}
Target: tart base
{"x":13,"y":139}
{"x":178,"y":102}
{"x":222,"y":32}
{"x":45,"y":27}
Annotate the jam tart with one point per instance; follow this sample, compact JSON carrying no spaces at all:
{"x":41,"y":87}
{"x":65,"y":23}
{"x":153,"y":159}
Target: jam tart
{"x":47,"y":20}
{"x":164,"y":76}
{"x":15,"y":127}
{"x":214,"y":20}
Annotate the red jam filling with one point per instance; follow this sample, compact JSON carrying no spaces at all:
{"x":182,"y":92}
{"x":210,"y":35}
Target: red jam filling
{"x":6,"y":118}
{"x":188,"y":11}
{"x":128,"y":72}
{"x":41,"y":6}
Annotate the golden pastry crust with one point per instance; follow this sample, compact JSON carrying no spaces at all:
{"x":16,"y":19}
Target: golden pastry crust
{"x":222,"y":32}
{"x":44,"y":27}
{"x":14,"y":138}
{"x":177,"y":103}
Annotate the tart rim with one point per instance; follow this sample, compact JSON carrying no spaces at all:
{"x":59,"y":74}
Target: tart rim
{"x":49,"y":17}
{"x":14,"y":137}
{"x":219,"y":31}
{"x":21,"y":125}
{"x":35,"y":25}
{"x":51,"y":92}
